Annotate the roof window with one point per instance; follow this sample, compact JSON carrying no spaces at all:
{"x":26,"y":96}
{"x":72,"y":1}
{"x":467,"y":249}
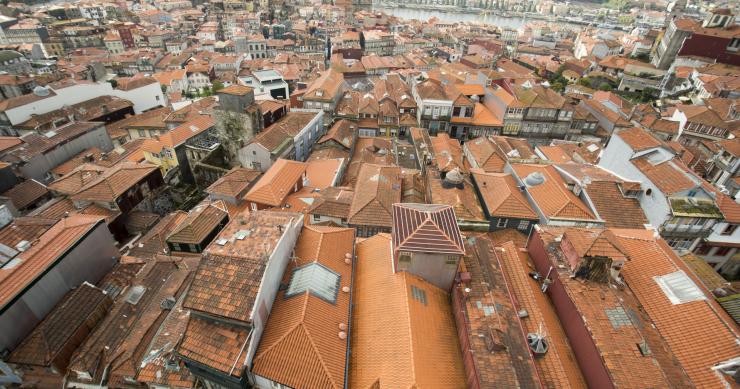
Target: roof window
{"x":316,"y":279}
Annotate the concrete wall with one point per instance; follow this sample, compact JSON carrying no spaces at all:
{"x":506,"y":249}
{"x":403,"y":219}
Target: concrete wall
{"x":431,"y":267}
{"x":38,"y":167}
{"x":271,"y":281}
{"x":143,"y":99}
{"x":89,"y":261}
{"x":255,"y":152}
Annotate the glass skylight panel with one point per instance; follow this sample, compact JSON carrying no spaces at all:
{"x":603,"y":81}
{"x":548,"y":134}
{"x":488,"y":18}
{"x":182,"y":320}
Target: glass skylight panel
{"x":679,"y":288}
{"x":314,"y":278}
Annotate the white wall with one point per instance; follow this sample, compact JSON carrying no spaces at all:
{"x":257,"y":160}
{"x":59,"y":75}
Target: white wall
{"x":255,"y":152}
{"x":144,"y":98}
{"x":271,"y":281}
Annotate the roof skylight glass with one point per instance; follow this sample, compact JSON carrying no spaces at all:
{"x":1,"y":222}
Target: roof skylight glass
{"x":316,"y":279}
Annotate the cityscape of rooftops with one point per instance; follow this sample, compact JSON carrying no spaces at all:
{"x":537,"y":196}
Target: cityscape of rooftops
{"x":369,"y":194}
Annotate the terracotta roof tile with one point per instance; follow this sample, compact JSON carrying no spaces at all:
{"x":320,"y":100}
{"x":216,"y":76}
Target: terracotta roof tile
{"x":333,"y":202}
{"x":485,"y":154}
{"x":214,"y":345}
{"x":77,"y":313}
{"x":275,"y":185}
{"x":494,"y":344}
{"x":690,"y":329}
{"x":377,"y":189}
{"x":229,"y":276}
{"x":638,"y":139}
{"x":300,"y":346}
{"x":397,"y":340}
{"x":43,"y":253}
{"x":201,"y":221}
{"x":502,"y":197}
{"x":558,"y":368}
{"x":552,"y":196}
{"x":426,"y":228}
{"x":114,"y":182}
{"x":234,"y":183}
{"x":463,"y":200}
{"x":668,"y":177}
{"x":26,"y":193}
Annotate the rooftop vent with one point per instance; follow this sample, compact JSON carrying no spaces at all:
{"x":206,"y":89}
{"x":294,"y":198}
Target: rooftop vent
{"x":23,"y":245}
{"x":537,"y":343}
{"x":534,"y":179}
{"x":453,"y":179}
{"x":168,"y":303}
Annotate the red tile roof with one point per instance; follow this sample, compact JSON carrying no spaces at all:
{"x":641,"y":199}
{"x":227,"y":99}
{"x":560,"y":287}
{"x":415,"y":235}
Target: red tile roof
{"x":552,"y":196}
{"x":43,"y":253}
{"x":301,"y":346}
{"x":277,"y":183}
{"x":502,"y":197}
{"x":426,"y":228}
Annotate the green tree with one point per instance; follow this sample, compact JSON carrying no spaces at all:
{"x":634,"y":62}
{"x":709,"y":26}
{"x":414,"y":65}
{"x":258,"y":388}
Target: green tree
{"x":605,"y":87}
{"x":217,"y":85}
{"x":585,"y":81}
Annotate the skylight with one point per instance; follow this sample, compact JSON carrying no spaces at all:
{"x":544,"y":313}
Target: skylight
{"x":679,"y":288}
{"x":316,"y":279}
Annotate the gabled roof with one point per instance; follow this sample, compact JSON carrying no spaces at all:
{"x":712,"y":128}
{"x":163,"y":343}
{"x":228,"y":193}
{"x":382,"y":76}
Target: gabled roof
{"x":80,"y":309}
{"x":341,"y":132}
{"x":234,"y":182}
{"x":690,"y":328}
{"x":666,"y":176}
{"x":377,"y":189}
{"x":398,"y":340}
{"x":552,"y":196}
{"x":114,"y":182}
{"x":486,"y":154}
{"x":638,"y":139}
{"x":426,"y":228}
{"x":43,"y":254}
{"x":502,"y":197}
{"x":298,"y":348}
{"x":276,"y":183}
{"x":200,"y":222}
{"x":77,"y":179}
{"x":26,"y":193}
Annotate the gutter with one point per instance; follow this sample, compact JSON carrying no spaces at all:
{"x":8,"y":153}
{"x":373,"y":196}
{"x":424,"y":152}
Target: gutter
{"x":349,"y":321}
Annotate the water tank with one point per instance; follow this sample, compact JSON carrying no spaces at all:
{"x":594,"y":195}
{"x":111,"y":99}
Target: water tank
{"x":453,"y":179}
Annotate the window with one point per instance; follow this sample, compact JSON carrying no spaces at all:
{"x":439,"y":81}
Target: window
{"x":404,"y":256}
{"x":523,"y":225}
{"x":729,"y":229}
{"x":451,"y":260}
{"x":722,"y":251}
{"x":316,"y":217}
{"x":316,"y":279}
{"x":679,"y":288}
{"x":142,"y":133}
{"x":702,"y":250}
{"x":419,"y":294}
{"x":501,"y":223}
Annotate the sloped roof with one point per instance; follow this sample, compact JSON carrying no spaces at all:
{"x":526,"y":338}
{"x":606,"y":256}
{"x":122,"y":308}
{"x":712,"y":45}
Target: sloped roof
{"x":26,"y":193}
{"x":668,"y":177}
{"x":199,"y":223}
{"x":37,"y":259}
{"x":502,"y":197}
{"x":56,"y":331}
{"x":298,"y":347}
{"x":397,"y":340}
{"x":486,"y":154}
{"x":689,"y":329}
{"x":234,"y":182}
{"x":638,"y":139}
{"x":77,"y":179}
{"x":114,"y":182}
{"x":377,"y":189}
{"x":426,"y":228}
{"x":552,"y":196}
{"x":342,"y":132}
{"x":276,"y":183}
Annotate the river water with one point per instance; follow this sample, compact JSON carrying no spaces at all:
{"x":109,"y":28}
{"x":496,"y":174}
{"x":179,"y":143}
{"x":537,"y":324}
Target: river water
{"x":495,"y":20}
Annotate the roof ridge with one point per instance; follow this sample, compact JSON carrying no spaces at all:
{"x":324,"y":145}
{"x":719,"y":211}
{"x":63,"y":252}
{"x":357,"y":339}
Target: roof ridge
{"x":316,"y":351}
